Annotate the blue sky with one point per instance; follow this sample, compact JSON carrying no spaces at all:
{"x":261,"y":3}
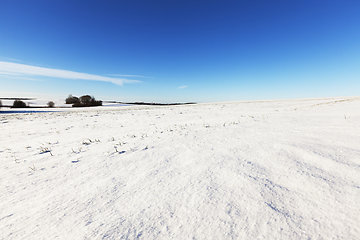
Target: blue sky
{"x":180,"y":51}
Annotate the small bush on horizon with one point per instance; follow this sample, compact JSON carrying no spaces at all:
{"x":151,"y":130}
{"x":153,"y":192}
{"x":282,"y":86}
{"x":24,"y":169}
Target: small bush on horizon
{"x":51,"y":104}
{"x":19,"y":104}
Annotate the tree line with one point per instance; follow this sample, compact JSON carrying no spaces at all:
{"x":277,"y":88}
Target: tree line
{"x":83,"y":101}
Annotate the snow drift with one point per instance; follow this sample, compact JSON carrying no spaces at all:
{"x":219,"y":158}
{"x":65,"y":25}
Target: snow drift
{"x":285,"y":169}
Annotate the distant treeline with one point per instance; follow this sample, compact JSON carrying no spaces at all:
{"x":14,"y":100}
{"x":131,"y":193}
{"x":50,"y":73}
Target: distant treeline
{"x":83,"y":101}
{"x":17,"y":98}
{"x":157,"y":104}
{"x":17,"y":102}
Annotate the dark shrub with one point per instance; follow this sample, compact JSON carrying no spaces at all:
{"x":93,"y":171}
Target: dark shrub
{"x":96,"y":102}
{"x":19,"y":104}
{"x":78,"y":105}
{"x":72,"y":99}
{"x":51,"y":104}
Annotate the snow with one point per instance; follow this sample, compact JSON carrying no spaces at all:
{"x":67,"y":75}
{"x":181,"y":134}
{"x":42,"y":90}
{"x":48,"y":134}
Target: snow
{"x":280,"y":169}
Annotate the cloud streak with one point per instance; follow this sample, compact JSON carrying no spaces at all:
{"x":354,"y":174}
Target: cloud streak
{"x":19,"y":77}
{"x":8,"y":68}
{"x":121,"y":75}
{"x":182,"y":87}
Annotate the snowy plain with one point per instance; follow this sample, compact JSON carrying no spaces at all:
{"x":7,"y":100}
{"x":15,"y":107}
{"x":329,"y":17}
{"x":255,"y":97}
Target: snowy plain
{"x":280,"y":169}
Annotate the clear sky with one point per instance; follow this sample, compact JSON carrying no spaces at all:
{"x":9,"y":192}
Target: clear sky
{"x":180,"y":51}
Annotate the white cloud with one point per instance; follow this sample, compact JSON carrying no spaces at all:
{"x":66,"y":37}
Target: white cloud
{"x":182,"y":87}
{"x":16,"y":76}
{"x":9,"y":59}
{"x":10,"y":73}
{"x":8,"y":68}
{"x":121,"y":75}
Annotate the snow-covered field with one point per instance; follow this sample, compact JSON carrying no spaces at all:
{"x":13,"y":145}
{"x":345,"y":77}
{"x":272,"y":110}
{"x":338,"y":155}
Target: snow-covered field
{"x":284,"y":169}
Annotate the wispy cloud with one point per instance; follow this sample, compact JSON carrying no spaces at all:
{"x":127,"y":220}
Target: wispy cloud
{"x":9,"y":75}
{"x":121,"y":75}
{"x":9,"y":59}
{"x":182,"y":87}
{"x":22,"y":78}
{"x":8,"y":68}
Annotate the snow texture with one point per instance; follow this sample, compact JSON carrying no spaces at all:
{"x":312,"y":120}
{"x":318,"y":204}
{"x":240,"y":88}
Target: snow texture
{"x":281,"y":169}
